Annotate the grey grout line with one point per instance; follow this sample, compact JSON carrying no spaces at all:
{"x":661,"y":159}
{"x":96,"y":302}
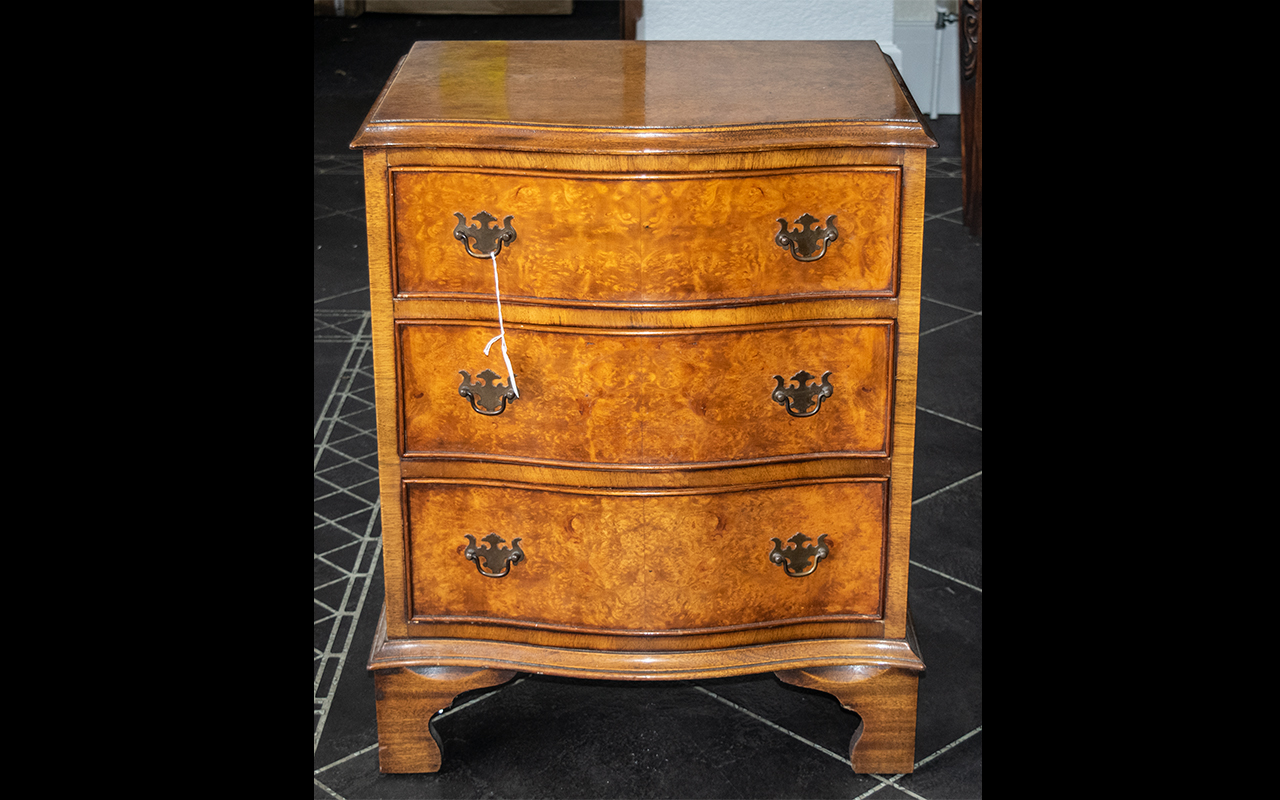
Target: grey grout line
{"x":355,"y":214}
{"x":321,"y":314}
{"x":351,"y":629}
{"x":877,"y":788}
{"x":950,"y":305}
{"x":336,"y":334}
{"x":358,"y":432}
{"x":971,"y":315}
{"x":944,"y":416}
{"x":338,"y":524}
{"x":843,"y":759}
{"x":945,"y":575}
{"x":934,"y":494}
{"x":943,"y":216}
{"x":977,"y":474}
{"x":346,"y":576}
{"x":336,"y":296}
{"x":945,"y":748}
{"x":333,"y":332}
{"x":475,"y":700}
{"x":348,"y":461}
{"x":327,"y":790}
{"x":355,"y":578}
{"x":345,"y":546}
{"x":343,"y":528}
{"x":887,"y":782}
{"x":346,"y":758}
{"x":346,"y":374}
{"x":894,"y":780}
{"x":894,"y":783}
{"x":346,"y":212}
{"x":341,"y":489}
{"x":338,"y":567}
{"x":340,"y":520}
{"x":355,"y":538}
{"x":773,"y":725}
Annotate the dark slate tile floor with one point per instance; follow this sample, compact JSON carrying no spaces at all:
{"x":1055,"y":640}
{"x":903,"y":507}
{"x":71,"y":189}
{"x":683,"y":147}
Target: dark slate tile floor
{"x":551,"y":737}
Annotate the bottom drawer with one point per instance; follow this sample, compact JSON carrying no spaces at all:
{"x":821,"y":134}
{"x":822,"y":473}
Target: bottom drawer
{"x":644,"y":561}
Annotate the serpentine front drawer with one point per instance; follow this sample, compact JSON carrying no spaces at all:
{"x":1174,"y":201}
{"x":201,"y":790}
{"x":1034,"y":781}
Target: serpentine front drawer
{"x":628,"y":562}
{"x":637,"y":240}
{"x":662,"y":399}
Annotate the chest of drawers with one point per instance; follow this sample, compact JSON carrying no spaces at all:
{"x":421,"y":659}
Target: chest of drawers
{"x":701,"y":261}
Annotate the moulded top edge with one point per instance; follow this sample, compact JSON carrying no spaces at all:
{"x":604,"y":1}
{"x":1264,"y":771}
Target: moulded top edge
{"x":570,"y":95}
{"x":477,"y":134}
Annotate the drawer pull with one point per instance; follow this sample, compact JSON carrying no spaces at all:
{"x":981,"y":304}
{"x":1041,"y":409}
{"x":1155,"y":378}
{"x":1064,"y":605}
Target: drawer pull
{"x":489,"y":240}
{"x":803,"y":395}
{"x":490,"y":395}
{"x":804,"y":242}
{"x":503,"y":558}
{"x":800,"y":559}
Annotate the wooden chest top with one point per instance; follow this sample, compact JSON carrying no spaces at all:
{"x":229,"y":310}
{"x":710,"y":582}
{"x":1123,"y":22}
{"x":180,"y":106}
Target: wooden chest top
{"x":643,"y":97}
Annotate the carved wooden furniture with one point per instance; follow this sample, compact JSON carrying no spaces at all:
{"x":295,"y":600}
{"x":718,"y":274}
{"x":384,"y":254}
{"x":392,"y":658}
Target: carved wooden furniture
{"x":971,"y":112}
{"x":701,"y":260}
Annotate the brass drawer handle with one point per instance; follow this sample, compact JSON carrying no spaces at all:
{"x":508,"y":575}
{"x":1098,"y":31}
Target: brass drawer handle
{"x":491,"y":395}
{"x":489,"y":240}
{"x":494,"y":557}
{"x":795,"y":560}
{"x":802,"y":395}
{"x":804,"y":243}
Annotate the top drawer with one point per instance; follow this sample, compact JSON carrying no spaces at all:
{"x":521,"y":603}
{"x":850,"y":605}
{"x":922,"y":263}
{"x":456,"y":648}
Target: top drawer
{"x":649,"y":240}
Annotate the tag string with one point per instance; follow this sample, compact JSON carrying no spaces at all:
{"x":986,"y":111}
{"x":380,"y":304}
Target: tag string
{"x":502,"y":331}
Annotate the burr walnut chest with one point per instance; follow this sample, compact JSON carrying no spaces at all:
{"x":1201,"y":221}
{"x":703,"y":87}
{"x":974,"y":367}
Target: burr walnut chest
{"x":645,"y":318}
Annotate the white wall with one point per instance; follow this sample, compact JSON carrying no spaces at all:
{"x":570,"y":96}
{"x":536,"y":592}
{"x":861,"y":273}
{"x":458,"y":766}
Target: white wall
{"x":904,"y":29}
{"x":917,"y":41}
{"x":915,"y":34}
{"x":784,"y":20}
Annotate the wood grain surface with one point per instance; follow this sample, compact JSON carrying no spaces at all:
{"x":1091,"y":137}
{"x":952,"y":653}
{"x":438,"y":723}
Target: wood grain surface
{"x":654,"y":240}
{"x":407,"y":700}
{"x":637,"y":96}
{"x":634,"y":657}
{"x":885,"y":699}
{"x":632,"y":562}
{"x":661,"y":399}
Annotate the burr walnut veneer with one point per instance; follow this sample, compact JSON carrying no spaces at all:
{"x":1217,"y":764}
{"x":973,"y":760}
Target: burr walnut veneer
{"x":702,"y":260}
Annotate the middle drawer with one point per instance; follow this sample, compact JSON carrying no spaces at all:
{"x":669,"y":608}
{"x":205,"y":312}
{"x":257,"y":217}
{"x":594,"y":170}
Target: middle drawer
{"x":660,"y":399}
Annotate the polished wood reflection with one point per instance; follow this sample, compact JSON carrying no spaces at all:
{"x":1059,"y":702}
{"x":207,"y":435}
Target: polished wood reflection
{"x":663,"y":399}
{"x":631,"y":562}
{"x":632,"y":239}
